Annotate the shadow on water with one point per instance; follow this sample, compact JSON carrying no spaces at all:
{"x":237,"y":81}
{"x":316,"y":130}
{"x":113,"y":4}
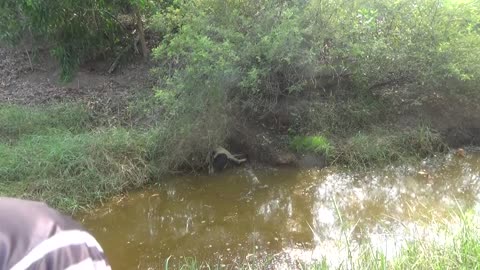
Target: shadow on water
{"x":285,"y":214}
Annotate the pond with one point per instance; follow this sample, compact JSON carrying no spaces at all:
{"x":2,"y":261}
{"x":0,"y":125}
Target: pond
{"x":286,"y":215}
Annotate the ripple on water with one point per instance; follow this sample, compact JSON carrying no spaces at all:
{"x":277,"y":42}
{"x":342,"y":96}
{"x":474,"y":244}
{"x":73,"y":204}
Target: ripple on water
{"x":286,"y":214}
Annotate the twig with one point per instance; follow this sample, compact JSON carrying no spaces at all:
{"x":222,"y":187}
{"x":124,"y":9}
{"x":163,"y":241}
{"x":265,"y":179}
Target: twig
{"x":124,"y":51}
{"x":29,"y":59}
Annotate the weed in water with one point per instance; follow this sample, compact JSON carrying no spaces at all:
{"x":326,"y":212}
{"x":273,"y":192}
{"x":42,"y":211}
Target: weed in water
{"x":460,"y":249}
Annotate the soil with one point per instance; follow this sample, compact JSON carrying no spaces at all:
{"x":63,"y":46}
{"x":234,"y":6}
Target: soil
{"x":29,"y":79}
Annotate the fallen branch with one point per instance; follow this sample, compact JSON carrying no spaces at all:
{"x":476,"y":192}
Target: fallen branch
{"x":120,"y":55}
{"x":29,"y":60}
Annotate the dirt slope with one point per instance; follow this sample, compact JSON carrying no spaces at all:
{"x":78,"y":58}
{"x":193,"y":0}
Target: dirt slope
{"x":37,"y":81}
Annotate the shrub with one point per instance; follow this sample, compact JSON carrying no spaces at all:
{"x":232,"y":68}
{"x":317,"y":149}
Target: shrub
{"x":412,"y":47}
{"x":342,"y":118}
{"x":248,"y":55}
{"x":252,"y":52}
{"x":75,"y":30}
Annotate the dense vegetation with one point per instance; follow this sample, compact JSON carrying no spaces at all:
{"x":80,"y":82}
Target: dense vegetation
{"x":369,"y":62}
{"x":75,"y":30}
{"x":331,"y":76}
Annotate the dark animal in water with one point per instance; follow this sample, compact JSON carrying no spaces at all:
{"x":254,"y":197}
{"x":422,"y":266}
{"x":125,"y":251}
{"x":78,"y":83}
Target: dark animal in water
{"x":219,"y":159}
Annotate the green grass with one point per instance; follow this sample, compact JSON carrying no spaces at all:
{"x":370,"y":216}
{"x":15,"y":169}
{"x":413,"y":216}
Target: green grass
{"x":381,"y":147}
{"x":18,"y":121}
{"x":460,"y":251}
{"x":361,"y":134}
{"x":61,"y":155}
{"x":376,"y":147}
{"x":73,"y":170}
{"x":55,"y":154}
{"x":315,"y":144}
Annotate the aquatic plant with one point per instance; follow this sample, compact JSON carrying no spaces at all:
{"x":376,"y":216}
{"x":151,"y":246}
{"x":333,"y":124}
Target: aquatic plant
{"x":460,"y":250}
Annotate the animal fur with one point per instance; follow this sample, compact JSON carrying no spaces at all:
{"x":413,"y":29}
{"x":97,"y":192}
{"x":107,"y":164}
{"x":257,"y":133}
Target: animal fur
{"x":216,"y":154}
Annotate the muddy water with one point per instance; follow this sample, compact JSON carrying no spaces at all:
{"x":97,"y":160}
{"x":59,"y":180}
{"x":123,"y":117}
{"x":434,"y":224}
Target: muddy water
{"x":286,"y":215}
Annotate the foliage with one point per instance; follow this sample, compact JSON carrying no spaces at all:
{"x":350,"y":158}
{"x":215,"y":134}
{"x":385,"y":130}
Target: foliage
{"x":169,"y":17}
{"x":9,"y":25}
{"x":226,"y":49}
{"x":76,"y":30}
{"x":316,"y":144}
{"x":418,"y":46}
{"x":219,"y":60}
{"x":249,"y":55}
{"x":185,"y":140}
{"x":342,"y":118}
{"x":242,"y":58}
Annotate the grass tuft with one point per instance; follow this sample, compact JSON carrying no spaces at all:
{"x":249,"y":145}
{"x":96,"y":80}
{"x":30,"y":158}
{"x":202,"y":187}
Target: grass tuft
{"x":72,"y":170}
{"x":316,"y":144}
{"x":380,"y":147}
{"x":17,"y":121}
{"x":53,"y":154}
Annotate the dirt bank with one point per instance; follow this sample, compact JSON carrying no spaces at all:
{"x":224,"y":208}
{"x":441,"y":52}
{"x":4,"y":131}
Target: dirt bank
{"x":33,"y":79}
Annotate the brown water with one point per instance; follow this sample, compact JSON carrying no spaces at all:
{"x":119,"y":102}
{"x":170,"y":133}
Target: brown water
{"x":288,"y":215}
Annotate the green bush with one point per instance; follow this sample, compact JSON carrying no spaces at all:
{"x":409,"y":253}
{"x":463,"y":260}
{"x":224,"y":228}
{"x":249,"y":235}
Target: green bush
{"x":412,"y":47}
{"x":345,"y":117}
{"x":74,"y":30}
{"x":248,"y":55}
{"x":251,"y":52}
{"x":169,"y":17}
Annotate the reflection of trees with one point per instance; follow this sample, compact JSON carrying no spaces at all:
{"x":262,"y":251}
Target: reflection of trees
{"x":382,"y":201}
{"x":381,"y":207}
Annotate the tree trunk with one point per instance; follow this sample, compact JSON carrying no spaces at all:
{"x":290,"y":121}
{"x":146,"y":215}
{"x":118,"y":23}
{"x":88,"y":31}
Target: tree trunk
{"x":141,"y":33}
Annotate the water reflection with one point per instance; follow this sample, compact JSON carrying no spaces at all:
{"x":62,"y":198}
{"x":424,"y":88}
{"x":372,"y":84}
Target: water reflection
{"x":286,"y":214}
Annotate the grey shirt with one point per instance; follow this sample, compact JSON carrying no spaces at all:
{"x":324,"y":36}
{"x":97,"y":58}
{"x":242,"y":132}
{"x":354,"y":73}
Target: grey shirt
{"x":34,"y":236}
